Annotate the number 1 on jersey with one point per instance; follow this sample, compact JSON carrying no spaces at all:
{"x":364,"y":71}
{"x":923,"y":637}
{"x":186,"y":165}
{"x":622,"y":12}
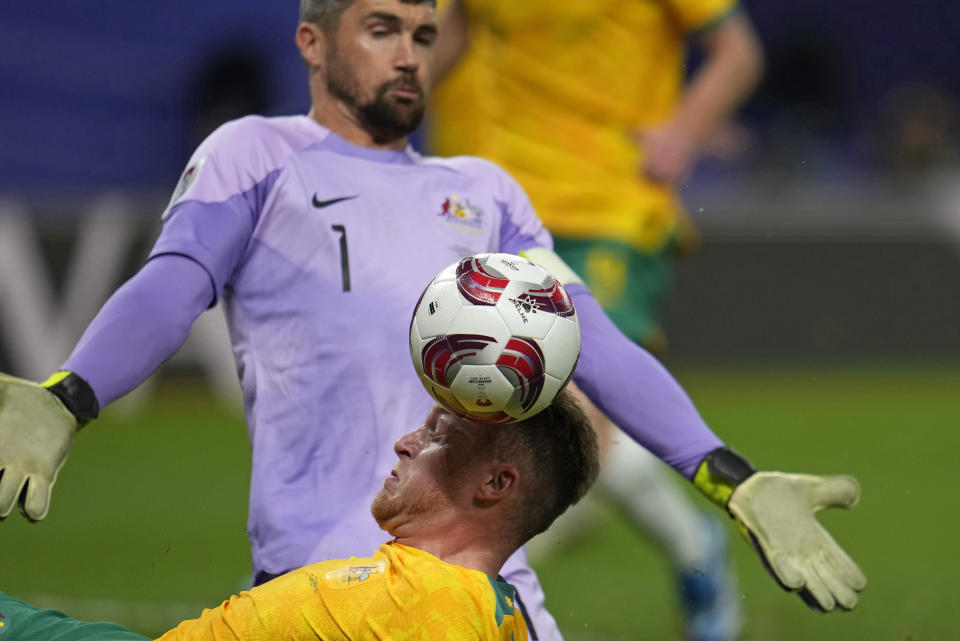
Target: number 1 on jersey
{"x":344,"y":256}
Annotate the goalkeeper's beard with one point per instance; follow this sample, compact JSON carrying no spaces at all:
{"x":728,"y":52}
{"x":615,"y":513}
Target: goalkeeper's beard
{"x":386,"y":119}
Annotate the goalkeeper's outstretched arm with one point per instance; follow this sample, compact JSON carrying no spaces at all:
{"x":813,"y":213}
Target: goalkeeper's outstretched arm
{"x":141,"y":326}
{"x":774,"y":510}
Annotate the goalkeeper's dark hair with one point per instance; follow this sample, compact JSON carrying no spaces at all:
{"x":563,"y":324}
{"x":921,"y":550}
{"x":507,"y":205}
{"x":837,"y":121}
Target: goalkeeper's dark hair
{"x":556,"y":452}
{"x":326,"y":13}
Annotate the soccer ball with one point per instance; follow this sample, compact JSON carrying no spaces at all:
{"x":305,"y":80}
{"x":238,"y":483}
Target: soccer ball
{"x":494,"y":338}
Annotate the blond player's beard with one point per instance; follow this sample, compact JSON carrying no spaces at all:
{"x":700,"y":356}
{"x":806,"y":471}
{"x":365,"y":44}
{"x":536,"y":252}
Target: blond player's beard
{"x":392,"y":511}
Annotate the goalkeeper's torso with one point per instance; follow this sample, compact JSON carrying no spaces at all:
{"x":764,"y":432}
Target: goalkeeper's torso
{"x":321,"y":250}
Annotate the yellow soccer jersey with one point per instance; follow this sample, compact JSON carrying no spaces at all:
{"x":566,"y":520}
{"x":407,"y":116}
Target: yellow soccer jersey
{"x":553,"y":91}
{"x":398,"y":594}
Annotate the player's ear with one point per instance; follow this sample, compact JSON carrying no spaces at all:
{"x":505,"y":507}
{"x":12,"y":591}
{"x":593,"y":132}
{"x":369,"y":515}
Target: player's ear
{"x":312,"y":43}
{"x":499,"y":483}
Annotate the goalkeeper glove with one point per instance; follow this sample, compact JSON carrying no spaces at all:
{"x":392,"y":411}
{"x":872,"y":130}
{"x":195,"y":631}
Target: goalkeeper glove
{"x":37,"y":424}
{"x":774,"y":511}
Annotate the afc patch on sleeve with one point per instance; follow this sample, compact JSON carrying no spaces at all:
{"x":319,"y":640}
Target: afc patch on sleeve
{"x":187,"y":179}
{"x":348,"y":577}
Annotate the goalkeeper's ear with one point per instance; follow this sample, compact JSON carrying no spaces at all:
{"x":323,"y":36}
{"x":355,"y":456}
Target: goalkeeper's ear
{"x":75,"y":394}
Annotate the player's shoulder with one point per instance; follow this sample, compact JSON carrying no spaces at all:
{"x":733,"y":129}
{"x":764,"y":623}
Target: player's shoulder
{"x":474,"y":167}
{"x":351,"y":572}
{"x":270,"y":139}
{"x":465,"y":164}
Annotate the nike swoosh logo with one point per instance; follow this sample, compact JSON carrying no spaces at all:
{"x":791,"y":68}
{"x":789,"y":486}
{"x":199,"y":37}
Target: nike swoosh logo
{"x":320,"y":204}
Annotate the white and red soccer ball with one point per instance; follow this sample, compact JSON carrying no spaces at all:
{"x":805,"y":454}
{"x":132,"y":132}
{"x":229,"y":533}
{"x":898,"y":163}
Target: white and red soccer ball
{"x":494,"y":338}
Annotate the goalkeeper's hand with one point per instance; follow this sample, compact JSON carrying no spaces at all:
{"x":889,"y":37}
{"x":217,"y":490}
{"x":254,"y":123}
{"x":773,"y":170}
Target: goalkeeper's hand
{"x":37,"y":424}
{"x":775,"y":511}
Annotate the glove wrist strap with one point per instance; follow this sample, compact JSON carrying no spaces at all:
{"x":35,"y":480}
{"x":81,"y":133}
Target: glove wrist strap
{"x":75,"y":394}
{"x":720,"y":472}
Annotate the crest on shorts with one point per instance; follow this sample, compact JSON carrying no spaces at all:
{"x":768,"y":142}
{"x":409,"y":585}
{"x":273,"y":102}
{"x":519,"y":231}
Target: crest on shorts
{"x":461,"y":214}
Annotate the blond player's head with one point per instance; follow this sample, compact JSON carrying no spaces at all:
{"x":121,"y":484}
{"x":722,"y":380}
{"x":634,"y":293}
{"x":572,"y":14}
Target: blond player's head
{"x":459,"y":476}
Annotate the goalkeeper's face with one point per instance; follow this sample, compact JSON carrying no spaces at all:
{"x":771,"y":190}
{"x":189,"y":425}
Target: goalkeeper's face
{"x":436,"y":473}
{"x":378,"y":64}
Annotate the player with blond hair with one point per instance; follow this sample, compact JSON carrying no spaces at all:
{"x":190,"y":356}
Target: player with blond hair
{"x":461,"y":498}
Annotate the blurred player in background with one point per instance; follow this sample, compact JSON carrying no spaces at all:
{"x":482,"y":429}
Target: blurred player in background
{"x":461,"y":499}
{"x":318,"y":232}
{"x":584,"y":104}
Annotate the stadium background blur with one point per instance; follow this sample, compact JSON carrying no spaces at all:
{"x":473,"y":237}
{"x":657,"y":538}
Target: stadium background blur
{"x":817,"y":328}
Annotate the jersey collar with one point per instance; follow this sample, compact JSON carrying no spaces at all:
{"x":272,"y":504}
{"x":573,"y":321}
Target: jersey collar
{"x":338,"y":145}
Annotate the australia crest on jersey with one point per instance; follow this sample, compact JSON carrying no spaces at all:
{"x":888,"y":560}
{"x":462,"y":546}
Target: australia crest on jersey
{"x":462,"y":215}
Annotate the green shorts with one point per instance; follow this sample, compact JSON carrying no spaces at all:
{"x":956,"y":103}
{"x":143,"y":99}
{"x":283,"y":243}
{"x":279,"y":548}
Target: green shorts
{"x":631,"y":286}
{"x":23,"y":622}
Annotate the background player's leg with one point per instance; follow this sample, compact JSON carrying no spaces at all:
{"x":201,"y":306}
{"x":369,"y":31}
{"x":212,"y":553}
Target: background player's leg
{"x":24,"y":622}
{"x":540,"y":623}
{"x":642,"y":486}
{"x":694,"y":541}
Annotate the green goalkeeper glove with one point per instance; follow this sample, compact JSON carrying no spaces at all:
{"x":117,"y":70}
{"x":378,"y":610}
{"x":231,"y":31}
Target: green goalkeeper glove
{"x":774,"y":511}
{"x":37,"y":424}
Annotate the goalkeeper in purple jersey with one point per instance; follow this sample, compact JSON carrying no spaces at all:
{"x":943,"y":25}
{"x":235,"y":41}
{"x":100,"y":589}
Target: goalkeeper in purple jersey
{"x":316,"y":234}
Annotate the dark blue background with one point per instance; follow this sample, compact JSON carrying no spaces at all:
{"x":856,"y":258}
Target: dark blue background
{"x":106,"y":94}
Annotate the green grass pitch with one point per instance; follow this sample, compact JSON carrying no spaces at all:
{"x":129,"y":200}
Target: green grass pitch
{"x":148,"y":518}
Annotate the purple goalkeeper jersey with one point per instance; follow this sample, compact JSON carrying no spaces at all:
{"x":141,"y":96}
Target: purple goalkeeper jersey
{"x":319,"y":250}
